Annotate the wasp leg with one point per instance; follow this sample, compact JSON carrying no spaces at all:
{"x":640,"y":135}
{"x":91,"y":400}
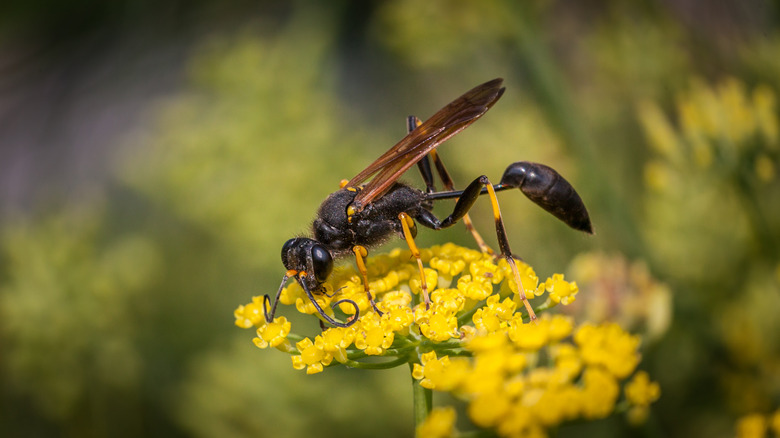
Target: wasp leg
{"x":424,"y":165}
{"x":360,"y":254}
{"x":506,"y":251}
{"x":410,"y":230}
{"x":427,"y":175}
{"x":465,"y":202}
{"x":449,"y":185}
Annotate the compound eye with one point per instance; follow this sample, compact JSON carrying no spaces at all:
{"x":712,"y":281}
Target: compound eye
{"x":322,"y":261}
{"x":286,"y":249}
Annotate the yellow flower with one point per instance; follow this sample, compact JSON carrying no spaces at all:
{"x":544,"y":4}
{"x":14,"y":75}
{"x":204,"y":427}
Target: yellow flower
{"x":774,"y":422}
{"x":528,"y":278}
{"x":372,"y":336}
{"x":477,"y":288}
{"x":397,"y":298}
{"x":443,"y":374}
{"x":609,"y":346}
{"x":529,"y":337}
{"x":439,"y":326}
{"x":305,"y":305}
{"x":752,"y":426}
{"x":520,"y":422}
{"x":488,"y":408}
{"x":559,"y":326}
{"x":250,"y":314}
{"x":335,"y":341}
{"x":449,"y":300}
{"x":660,"y":132}
{"x":600,"y":391}
{"x":641,"y":391}
{"x":273,"y":334}
{"x":386,"y":283}
{"x":451,"y":260}
{"x":532,"y":337}
{"x":561,"y":291}
{"x":312,"y":358}
{"x":439,"y":424}
{"x":568,"y":363}
{"x":724,"y":122}
{"x":495,"y":315}
{"x":397,"y":318}
{"x":431,"y":280}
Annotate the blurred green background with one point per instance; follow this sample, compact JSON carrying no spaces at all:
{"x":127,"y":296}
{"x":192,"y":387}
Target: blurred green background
{"x":154,"y":158}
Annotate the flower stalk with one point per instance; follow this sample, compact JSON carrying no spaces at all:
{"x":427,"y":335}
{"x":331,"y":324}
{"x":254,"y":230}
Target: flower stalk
{"x":423,"y":400}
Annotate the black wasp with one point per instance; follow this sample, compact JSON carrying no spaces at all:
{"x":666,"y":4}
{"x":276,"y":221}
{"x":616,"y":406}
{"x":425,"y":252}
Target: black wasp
{"x":364,"y":215}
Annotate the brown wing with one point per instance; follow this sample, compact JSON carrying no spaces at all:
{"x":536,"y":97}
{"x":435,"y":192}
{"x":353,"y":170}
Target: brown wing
{"x":447,"y":122}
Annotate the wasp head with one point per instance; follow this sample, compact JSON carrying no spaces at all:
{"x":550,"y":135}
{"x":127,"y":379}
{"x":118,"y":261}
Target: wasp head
{"x":310,"y":259}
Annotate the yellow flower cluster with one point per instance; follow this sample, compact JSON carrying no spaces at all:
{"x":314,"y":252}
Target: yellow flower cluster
{"x":640,"y":392}
{"x":523,"y":379}
{"x":758,"y":426}
{"x":725,"y":123}
{"x":396,"y":285}
{"x":473,"y":340}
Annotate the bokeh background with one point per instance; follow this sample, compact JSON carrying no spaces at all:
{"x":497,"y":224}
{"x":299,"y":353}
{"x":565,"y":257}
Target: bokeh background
{"x":155,"y":157}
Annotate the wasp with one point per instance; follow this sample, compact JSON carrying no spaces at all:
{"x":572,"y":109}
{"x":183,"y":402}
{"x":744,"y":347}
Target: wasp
{"x":374,"y":206}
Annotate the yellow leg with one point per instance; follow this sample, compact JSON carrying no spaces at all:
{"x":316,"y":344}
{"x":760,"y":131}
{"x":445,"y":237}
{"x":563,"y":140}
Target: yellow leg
{"x":506,"y":252}
{"x":360,"y":254}
{"x":407,"y":223}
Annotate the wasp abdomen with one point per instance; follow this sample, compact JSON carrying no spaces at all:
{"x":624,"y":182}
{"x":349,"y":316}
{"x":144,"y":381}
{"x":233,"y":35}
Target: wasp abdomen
{"x":549,"y":190}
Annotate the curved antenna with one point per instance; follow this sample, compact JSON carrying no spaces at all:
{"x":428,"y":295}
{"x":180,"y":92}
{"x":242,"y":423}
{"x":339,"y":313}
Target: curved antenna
{"x":269,"y":316}
{"x":325,"y":315}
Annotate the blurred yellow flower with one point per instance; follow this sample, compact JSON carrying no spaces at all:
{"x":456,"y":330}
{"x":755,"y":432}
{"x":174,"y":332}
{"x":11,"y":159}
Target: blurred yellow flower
{"x":439,"y":424}
{"x":609,"y":346}
{"x":752,"y":426}
{"x":724,"y":122}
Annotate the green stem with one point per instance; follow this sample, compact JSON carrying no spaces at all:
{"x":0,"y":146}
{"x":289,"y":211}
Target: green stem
{"x":423,"y":399}
{"x":765,"y":239}
{"x":376,"y":365}
{"x":549,"y":304}
{"x":466,"y":316}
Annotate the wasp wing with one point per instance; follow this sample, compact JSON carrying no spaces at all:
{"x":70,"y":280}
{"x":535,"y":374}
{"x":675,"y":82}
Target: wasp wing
{"x":447,"y":122}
